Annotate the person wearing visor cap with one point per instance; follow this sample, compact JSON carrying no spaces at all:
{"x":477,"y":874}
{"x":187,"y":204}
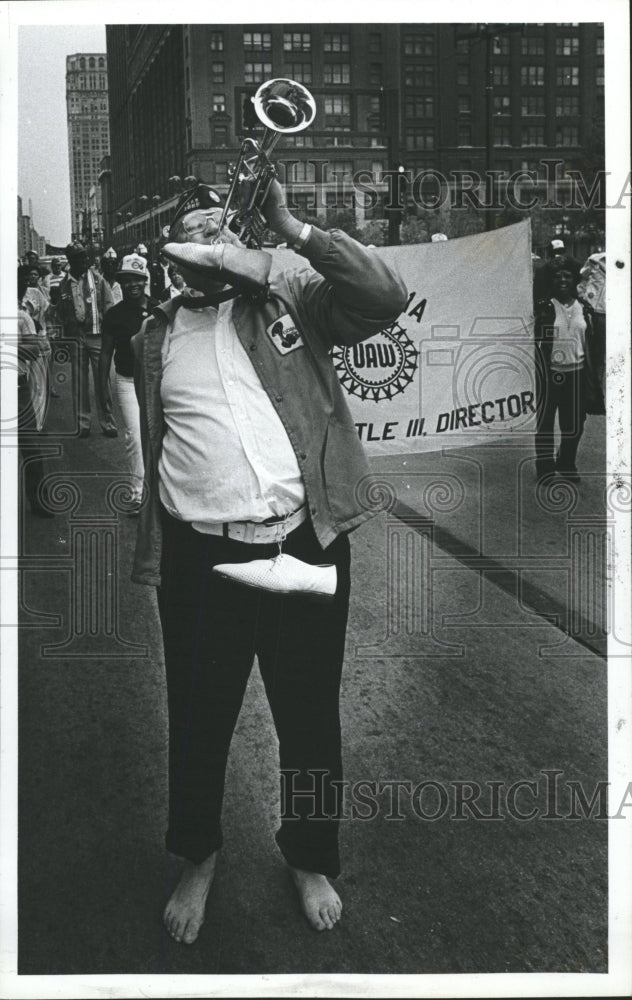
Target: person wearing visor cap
{"x":254,"y":475}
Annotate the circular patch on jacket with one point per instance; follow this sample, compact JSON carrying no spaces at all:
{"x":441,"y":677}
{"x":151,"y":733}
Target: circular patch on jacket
{"x":379,"y":368}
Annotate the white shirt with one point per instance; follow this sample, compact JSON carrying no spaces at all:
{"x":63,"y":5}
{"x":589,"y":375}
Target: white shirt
{"x":225,"y":454}
{"x":569,"y":336}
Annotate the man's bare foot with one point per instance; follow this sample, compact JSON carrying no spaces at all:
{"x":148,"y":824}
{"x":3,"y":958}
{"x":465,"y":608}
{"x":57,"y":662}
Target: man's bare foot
{"x":184,"y":913}
{"x":320,"y":902}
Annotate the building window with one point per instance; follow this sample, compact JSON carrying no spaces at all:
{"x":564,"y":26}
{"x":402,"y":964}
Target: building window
{"x":258,"y":40}
{"x":420,"y":138}
{"x":419,"y":107}
{"x":532,"y":76}
{"x":566,"y":46}
{"x":297,"y":41}
{"x":533,"y":135}
{"x":375,"y":42}
{"x":419,"y":76}
{"x":219,"y":102}
{"x":217,"y":72}
{"x":337,"y":104}
{"x":375,"y":74}
{"x":532,"y":104}
{"x":220,"y":135}
{"x":463,"y":75}
{"x":500,"y":76}
{"x":567,"y":76}
{"x":464,"y":134}
{"x":504,"y":166}
{"x":302,"y":172}
{"x":257,"y":72}
{"x":464,"y":104}
{"x":377,"y":169}
{"x":502,"y":135}
{"x":500,"y":46}
{"x":221,"y":172}
{"x":301,"y":72}
{"x":418,"y":45}
{"x":336,"y":73}
{"x":336,"y":41}
{"x":342,"y":168}
{"x":463,"y":46}
{"x":567,"y":135}
{"x":217,"y":41}
{"x":566,"y":105}
{"x":599,"y":76}
{"x":502,"y":104}
{"x":532,"y":46}
{"x":599,"y":50}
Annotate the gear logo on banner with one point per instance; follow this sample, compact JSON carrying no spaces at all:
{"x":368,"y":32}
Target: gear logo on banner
{"x":379,"y":368}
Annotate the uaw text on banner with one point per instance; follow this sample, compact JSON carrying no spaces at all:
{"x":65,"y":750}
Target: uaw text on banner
{"x":457,"y":367}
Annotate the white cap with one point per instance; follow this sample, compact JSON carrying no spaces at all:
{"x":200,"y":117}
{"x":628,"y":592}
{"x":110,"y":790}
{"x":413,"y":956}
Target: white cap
{"x":133,"y":264}
{"x":141,"y":248}
{"x":557,"y":244}
{"x":438,"y":237}
{"x":111,"y":254}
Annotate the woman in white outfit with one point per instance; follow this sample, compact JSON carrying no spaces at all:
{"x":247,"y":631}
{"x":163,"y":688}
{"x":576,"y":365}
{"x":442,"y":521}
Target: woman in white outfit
{"x":120,"y":323}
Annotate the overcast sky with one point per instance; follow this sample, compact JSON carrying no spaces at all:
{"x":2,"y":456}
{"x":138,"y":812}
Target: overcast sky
{"x":43,"y":174}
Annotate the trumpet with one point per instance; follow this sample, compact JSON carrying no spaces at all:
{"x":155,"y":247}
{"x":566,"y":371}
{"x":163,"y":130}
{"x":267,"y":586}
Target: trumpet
{"x":284,"y":107}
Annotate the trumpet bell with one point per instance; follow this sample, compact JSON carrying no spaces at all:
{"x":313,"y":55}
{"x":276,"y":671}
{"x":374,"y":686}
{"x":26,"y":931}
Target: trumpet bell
{"x":284,"y":106}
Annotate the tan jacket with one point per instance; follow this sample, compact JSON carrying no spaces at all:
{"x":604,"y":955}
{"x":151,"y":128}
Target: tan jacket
{"x":289,"y":338}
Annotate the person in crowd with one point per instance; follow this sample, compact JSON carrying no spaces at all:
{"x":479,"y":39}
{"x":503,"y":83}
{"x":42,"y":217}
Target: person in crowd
{"x":566,"y":373}
{"x":39,"y":374}
{"x":120,"y":323}
{"x":109,"y":268}
{"x":176,"y":284}
{"x":84,"y":296}
{"x":31,"y":259}
{"x":249,"y":448}
{"x":50,"y":285}
{"x":37,"y":299}
{"x":32,"y":468}
{"x":143,"y":252}
{"x":591,"y":290}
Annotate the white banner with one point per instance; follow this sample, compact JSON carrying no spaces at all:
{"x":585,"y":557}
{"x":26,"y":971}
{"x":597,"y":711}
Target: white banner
{"x":457,"y":366}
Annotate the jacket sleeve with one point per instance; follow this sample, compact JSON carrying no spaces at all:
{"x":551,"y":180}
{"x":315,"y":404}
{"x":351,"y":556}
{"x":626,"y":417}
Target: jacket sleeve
{"x":352,"y":294}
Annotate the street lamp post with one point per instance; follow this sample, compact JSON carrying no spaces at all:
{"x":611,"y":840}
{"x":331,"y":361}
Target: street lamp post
{"x":150,"y":203}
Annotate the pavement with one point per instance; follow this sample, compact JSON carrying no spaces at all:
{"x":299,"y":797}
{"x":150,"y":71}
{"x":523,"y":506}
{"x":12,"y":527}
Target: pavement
{"x":475,"y":660}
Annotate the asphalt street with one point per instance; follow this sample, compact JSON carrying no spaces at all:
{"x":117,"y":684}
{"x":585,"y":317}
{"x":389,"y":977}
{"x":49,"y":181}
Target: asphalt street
{"x":475,"y":660}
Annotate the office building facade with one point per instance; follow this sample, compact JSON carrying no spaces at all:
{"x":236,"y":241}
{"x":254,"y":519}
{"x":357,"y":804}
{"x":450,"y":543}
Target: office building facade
{"x":87,"y":114}
{"x":413,"y":97}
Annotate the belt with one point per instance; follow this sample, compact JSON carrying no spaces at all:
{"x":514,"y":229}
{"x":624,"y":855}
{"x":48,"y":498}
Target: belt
{"x":256,"y":532}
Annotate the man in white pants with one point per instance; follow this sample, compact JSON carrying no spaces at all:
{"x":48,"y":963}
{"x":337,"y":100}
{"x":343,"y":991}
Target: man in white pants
{"x":120,"y":323}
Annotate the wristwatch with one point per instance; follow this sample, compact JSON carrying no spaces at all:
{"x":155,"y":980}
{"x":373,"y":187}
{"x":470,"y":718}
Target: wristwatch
{"x":302,"y":237}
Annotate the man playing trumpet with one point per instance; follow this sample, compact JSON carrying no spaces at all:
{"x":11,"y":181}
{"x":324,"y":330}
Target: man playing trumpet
{"x":250,"y":451}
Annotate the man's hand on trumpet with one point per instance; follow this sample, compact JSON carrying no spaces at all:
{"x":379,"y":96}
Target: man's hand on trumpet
{"x":278,"y":216}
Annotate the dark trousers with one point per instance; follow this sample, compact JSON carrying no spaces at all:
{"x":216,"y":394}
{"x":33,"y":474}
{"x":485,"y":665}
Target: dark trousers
{"x":85,"y":356}
{"x":212,"y":629}
{"x":561,"y":393}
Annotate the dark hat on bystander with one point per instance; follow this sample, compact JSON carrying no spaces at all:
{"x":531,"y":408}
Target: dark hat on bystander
{"x":75,"y":250}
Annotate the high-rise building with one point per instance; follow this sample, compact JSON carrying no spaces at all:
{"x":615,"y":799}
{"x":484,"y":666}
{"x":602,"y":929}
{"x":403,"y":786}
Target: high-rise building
{"x":88,"y":133}
{"x":28,"y":237}
{"x":389,"y":97}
